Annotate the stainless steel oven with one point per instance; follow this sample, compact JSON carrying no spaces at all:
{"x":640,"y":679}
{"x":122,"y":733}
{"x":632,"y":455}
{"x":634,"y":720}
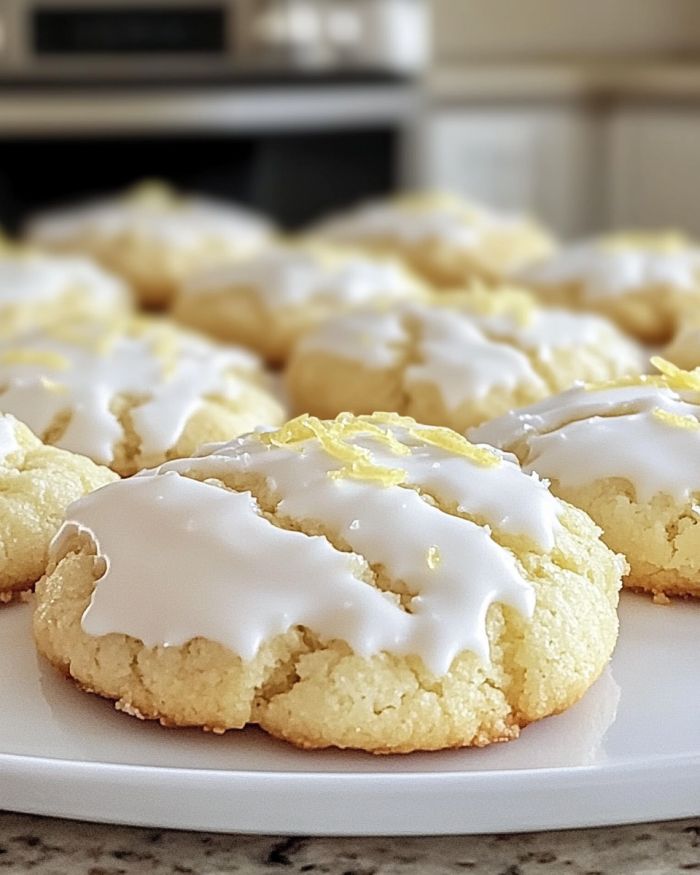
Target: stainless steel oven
{"x":293,"y":106}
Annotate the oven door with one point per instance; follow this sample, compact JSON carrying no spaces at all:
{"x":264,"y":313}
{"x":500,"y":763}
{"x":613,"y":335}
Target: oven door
{"x":293,"y":152}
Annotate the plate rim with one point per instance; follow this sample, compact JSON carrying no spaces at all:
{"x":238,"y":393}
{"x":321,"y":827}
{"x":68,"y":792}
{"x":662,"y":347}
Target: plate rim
{"x":339,"y":803}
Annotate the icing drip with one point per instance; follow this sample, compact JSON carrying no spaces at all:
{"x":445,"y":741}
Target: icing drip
{"x":463,"y":363}
{"x":612,"y":266}
{"x":46,"y":374}
{"x":647,"y":433}
{"x":368,"y":336}
{"x":181,"y":554}
{"x":290,"y":278}
{"x":451,"y":352}
{"x":8,"y":441}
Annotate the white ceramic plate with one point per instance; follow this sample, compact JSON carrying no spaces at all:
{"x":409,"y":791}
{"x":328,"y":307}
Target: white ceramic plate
{"x":629,"y":751}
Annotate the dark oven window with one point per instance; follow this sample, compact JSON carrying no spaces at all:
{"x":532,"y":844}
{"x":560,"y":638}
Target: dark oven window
{"x":292,"y":177}
{"x":114,"y":30}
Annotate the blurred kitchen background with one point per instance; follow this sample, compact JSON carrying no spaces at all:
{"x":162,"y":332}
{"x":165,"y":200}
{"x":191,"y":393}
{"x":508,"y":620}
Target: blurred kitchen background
{"x":586,"y":113}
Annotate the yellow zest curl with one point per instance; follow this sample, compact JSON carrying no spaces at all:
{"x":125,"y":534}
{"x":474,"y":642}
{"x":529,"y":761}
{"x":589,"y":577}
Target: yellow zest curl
{"x":433,"y":557}
{"x":446,"y":439}
{"x":334,"y":437}
{"x":671,"y":377}
{"x":675,"y":419}
{"x":675,"y":377}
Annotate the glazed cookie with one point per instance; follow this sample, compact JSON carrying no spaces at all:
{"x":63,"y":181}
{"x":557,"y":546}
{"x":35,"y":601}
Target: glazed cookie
{"x":367,"y":583}
{"x":152,"y":236}
{"x":132,"y":394}
{"x":442,"y":238}
{"x":628,"y":453}
{"x":463,"y":360}
{"x":37,"y":483}
{"x":37,"y":289}
{"x":268,"y":300}
{"x":639,"y":280}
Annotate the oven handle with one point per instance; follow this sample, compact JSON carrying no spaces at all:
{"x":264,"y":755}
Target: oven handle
{"x":252,"y":109}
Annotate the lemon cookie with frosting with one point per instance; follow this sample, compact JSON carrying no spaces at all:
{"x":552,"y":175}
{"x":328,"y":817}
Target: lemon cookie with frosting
{"x":37,"y":483}
{"x":269,"y":300}
{"x":628,"y":453}
{"x":39,"y":288}
{"x":443,"y":238}
{"x":133,"y":393}
{"x":458,"y":361}
{"x":152,"y":235}
{"x":640,"y":280}
{"x":367,"y":583}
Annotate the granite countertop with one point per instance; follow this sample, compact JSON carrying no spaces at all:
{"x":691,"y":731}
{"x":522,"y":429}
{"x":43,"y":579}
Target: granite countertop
{"x":52,"y":847}
{"x":563,"y":80}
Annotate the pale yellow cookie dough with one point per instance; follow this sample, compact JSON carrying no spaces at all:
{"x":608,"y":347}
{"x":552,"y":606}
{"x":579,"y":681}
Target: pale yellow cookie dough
{"x":316,"y":692}
{"x":152,"y":236}
{"x":133,"y":393}
{"x":267,"y":301}
{"x":642,"y":281}
{"x":459,"y":361}
{"x":37,"y":483}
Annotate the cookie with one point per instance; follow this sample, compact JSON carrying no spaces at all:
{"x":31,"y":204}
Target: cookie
{"x":457,"y":362}
{"x":152,"y":236}
{"x":684,"y":348}
{"x":131,"y":394}
{"x":444,"y":239}
{"x":269,"y":300}
{"x":640,"y":280}
{"x":367,"y":583}
{"x":627,"y":453}
{"x":37,"y":289}
{"x":37,"y":483}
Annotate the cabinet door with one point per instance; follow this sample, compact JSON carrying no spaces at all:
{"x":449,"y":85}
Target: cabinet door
{"x":655,"y":168}
{"x":546,"y":160}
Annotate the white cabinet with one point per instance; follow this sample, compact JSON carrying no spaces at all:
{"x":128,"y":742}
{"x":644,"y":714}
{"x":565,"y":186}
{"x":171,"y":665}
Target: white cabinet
{"x":542,"y":159}
{"x":654,"y":155}
{"x":581,"y":168}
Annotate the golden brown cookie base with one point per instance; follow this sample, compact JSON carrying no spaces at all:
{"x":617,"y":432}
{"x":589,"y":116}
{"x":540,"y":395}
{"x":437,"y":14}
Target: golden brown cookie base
{"x":664,"y":586}
{"x":21,"y":593}
{"x":514,"y":724}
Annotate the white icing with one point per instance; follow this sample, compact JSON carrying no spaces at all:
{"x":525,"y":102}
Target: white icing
{"x":605,"y":270}
{"x":189,"y":559}
{"x":291,"y":278}
{"x":184,"y":222}
{"x":38,"y":278}
{"x":376,"y":339}
{"x":548,"y":330}
{"x":8,"y":441}
{"x":457,"y":358}
{"x":451,"y":352}
{"x":84,"y":379}
{"x":508,"y":501}
{"x":583,"y":436}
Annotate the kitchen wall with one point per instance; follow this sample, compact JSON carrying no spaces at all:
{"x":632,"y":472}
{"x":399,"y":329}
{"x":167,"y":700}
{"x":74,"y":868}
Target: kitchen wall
{"x":602,"y":130}
{"x":524,"y":29}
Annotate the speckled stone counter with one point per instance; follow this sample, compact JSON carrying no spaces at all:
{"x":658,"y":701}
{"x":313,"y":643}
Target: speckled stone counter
{"x":53,"y":847}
